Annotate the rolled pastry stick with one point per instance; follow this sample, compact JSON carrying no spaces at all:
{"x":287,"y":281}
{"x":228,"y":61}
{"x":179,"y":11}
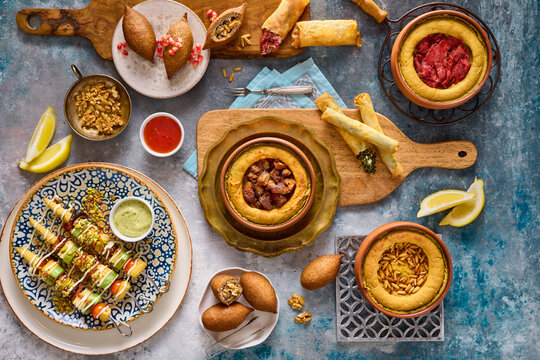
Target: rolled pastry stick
{"x":280,"y":23}
{"x":326,"y":33}
{"x":372,"y":9}
{"x":365,"y":106}
{"x":361,"y":130}
{"x":357,"y":145}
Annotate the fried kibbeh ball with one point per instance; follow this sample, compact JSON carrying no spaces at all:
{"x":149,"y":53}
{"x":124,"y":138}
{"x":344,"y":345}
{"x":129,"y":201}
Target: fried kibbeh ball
{"x":226,"y":288}
{"x":258,"y":292}
{"x":175,"y":59}
{"x":139,"y":33}
{"x":320,"y":272}
{"x":221,"y":317}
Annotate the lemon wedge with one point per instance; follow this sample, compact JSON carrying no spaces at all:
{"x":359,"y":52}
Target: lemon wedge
{"x":442,"y":200}
{"x":42,"y":136}
{"x":465,"y":213}
{"x":51,"y":158}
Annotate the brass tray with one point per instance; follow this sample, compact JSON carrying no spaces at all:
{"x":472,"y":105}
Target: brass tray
{"x":303,"y":234}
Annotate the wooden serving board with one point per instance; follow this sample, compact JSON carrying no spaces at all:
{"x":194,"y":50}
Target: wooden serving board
{"x":98,"y":20}
{"x":357,"y":187}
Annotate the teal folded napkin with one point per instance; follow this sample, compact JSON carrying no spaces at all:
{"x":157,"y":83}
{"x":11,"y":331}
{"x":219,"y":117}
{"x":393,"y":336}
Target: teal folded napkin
{"x":304,"y":73}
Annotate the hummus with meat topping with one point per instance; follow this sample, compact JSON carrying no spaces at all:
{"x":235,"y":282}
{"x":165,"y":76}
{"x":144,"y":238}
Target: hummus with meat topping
{"x":405,"y":271}
{"x":451,"y":28}
{"x":267,"y":184}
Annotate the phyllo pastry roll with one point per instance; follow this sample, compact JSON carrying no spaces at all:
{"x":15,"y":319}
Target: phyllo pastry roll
{"x":326,"y":33}
{"x":280,"y":23}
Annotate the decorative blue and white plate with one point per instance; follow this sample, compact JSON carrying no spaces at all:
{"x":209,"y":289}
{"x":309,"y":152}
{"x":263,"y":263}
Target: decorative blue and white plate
{"x":159,"y":251}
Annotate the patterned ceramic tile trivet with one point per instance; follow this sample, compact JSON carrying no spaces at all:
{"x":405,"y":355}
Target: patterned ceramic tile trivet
{"x":358,"y":321}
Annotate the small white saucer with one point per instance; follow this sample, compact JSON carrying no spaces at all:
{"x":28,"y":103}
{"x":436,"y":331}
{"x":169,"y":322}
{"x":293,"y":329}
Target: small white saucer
{"x":151,"y":79}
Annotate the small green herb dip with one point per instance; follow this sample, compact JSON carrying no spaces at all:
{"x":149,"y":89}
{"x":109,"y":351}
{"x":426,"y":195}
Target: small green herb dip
{"x":132,"y":218}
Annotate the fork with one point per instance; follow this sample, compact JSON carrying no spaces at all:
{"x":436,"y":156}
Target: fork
{"x":286,"y":90}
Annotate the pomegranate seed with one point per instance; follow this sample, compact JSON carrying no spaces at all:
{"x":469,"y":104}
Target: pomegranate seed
{"x":195,"y":63}
{"x":178,"y":39}
{"x":124,"y":44}
{"x":198,"y":46}
{"x":160,"y":55}
{"x":119,"y":46}
{"x":200,"y":58}
{"x":175,"y":48}
{"x":159,"y":50}
{"x":209,"y":12}
{"x":214,"y":14}
{"x":125,"y":52}
{"x":171,"y":53}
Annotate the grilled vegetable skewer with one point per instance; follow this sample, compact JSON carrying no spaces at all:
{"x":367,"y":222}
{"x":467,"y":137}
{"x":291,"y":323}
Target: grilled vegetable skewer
{"x":97,"y":273}
{"x":82,"y":298}
{"x":90,"y":237}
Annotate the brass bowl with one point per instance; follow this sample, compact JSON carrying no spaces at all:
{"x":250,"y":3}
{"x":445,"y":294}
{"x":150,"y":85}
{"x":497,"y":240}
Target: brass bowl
{"x":402,"y":84}
{"x":70,"y":110}
{"x":294,"y":218}
{"x":379,"y":233}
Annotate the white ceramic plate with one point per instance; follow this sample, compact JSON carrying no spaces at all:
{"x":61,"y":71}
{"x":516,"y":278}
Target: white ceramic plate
{"x":151,"y":79}
{"x":243,"y":339}
{"x":106,"y":341}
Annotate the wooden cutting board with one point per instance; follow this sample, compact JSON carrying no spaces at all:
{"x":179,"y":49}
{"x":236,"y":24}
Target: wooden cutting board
{"x":357,"y":187}
{"x":98,"y":20}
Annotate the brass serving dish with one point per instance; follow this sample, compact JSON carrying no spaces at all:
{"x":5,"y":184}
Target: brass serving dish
{"x":302,"y":234}
{"x":70,"y":110}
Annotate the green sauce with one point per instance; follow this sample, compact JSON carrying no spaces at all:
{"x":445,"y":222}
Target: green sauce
{"x":132,"y":218}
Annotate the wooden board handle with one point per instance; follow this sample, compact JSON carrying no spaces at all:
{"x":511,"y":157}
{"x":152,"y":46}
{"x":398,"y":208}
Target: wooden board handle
{"x":53,"y":21}
{"x":448,"y":155}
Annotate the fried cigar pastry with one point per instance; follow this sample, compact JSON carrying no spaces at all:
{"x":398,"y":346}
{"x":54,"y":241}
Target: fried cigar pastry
{"x":326,"y":33}
{"x":357,"y":145}
{"x":280,"y":23}
{"x":365,"y":106}
{"x":361,"y":130}
{"x":372,"y":9}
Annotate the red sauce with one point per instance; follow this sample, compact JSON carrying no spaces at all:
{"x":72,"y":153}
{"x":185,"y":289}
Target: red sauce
{"x":162,"y":134}
{"x":441,"y":60}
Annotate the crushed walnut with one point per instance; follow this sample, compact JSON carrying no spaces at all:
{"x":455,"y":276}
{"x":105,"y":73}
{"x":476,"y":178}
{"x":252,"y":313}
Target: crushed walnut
{"x":303,"y":318}
{"x":99,"y":107}
{"x":268,"y":184}
{"x":296,"y":302}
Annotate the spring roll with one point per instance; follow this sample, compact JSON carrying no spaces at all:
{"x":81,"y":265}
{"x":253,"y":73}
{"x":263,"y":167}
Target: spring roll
{"x":361,"y":130}
{"x":372,"y":9}
{"x":365,"y":106}
{"x":280,"y":23}
{"x":325,"y":101}
{"x":326,"y":33}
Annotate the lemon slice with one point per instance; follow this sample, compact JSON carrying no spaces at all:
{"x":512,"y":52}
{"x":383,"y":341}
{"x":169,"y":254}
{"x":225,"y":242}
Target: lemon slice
{"x":442,"y":200}
{"x":51,"y":158}
{"x":43,"y":134}
{"x":465,"y":213}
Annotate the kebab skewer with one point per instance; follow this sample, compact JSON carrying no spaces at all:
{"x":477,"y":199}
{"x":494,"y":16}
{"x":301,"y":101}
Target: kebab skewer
{"x":84,"y":300}
{"x":98,"y":274}
{"x":90,"y":237}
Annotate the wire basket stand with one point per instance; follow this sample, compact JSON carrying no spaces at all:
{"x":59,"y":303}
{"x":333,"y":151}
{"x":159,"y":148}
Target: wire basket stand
{"x":419,"y":113}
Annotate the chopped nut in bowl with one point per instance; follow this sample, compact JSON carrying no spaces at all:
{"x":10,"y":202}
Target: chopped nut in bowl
{"x":97,"y":107}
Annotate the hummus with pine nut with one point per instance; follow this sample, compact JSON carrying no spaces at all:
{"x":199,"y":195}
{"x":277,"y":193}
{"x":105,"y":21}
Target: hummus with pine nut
{"x":405,"y":271}
{"x":267,"y":184}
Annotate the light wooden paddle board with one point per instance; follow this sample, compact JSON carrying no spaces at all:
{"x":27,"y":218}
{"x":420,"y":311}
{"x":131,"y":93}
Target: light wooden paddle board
{"x":357,"y":187}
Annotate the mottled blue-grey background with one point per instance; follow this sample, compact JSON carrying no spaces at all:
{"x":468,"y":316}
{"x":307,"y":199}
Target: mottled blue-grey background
{"x":491,"y":310}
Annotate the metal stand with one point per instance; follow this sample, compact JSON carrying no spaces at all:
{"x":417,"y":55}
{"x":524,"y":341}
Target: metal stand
{"x":419,"y":113}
